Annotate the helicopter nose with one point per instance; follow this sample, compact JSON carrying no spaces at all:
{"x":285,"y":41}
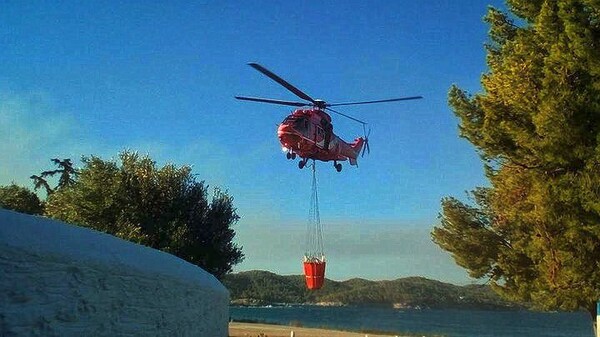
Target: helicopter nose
{"x":284,"y":128}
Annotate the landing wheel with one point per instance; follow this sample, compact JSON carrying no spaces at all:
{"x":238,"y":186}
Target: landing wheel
{"x":293,"y":155}
{"x":338,"y":167}
{"x":288,"y":155}
{"x":301,"y":164}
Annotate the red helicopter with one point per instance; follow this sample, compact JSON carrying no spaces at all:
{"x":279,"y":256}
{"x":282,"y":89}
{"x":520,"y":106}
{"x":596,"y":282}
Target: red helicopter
{"x":308,"y":131}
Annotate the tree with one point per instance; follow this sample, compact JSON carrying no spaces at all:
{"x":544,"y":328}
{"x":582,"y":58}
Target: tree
{"x":20,"y":199}
{"x":164,"y":208}
{"x":65,"y":169}
{"x":535,"y":231}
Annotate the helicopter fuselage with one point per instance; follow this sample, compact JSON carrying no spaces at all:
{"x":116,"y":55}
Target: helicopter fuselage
{"x":309,"y":134}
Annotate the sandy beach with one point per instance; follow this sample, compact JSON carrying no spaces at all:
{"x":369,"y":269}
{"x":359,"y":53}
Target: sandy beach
{"x":268,"y":330}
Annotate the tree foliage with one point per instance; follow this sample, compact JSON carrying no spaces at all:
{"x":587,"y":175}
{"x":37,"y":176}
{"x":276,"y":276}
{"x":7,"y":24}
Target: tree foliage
{"x":20,"y":199}
{"x":164,"y":208}
{"x":66,"y":171}
{"x":535,"y":231}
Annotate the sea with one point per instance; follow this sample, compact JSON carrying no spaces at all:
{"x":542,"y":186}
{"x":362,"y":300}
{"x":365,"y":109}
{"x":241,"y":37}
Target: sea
{"x":424,"y":322}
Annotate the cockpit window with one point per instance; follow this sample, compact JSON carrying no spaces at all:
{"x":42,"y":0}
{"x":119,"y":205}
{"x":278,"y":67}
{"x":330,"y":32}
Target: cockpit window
{"x":301,"y":124}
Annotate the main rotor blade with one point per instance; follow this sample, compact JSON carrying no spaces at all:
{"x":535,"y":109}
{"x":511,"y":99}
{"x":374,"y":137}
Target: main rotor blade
{"x":272,"y":101}
{"x":281,"y":81}
{"x":379,"y":101}
{"x":352,"y":118}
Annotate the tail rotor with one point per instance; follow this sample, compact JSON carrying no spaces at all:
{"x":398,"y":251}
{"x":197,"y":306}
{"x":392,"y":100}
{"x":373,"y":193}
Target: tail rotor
{"x":366,"y":145}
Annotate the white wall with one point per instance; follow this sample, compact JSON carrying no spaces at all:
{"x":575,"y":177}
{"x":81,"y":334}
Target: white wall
{"x":62,"y":280}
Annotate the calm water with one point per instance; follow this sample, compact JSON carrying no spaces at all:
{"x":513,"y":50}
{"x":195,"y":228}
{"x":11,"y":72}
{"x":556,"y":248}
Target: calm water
{"x":429,"y":322}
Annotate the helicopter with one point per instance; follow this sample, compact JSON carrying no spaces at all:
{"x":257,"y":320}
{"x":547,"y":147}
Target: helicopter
{"x":308,"y":131}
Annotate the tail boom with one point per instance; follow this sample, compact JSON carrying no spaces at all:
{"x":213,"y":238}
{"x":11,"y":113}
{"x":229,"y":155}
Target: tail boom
{"x":355,"y":149}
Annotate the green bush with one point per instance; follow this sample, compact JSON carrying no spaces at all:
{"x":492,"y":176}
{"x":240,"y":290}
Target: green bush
{"x":164,"y":208}
{"x":20,"y":199}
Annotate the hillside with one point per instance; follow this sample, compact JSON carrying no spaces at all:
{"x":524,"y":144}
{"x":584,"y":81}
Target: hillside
{"x":262,"y":288}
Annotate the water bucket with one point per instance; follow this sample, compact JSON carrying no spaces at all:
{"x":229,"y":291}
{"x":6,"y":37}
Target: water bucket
{"x":314,"y":272}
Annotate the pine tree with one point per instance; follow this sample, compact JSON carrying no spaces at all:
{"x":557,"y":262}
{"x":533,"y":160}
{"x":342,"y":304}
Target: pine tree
{"x":535,"y":232}
{"x":65,"y":169}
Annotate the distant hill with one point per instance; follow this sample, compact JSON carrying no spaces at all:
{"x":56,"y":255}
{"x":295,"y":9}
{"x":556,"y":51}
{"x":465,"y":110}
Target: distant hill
{"x":263,"y":288}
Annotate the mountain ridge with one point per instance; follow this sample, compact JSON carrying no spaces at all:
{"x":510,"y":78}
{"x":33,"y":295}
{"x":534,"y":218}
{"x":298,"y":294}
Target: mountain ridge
{"x":258,"y":287}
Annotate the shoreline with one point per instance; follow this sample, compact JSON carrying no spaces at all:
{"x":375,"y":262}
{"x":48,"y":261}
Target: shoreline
{"x":242,"y":329}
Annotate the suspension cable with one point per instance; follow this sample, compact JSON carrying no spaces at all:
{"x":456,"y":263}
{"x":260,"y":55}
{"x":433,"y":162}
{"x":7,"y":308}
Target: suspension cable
{"x":314,"y":230}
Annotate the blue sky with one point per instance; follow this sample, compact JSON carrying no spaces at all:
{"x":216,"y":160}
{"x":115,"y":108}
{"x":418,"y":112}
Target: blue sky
{"x":83,"y":78}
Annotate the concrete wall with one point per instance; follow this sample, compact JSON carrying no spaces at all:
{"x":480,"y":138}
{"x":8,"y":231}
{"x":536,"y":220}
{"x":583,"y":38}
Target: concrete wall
{"x":63,"y":280}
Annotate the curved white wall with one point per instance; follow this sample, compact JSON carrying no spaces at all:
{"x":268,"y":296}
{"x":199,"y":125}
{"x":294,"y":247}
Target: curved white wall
{"x":62,"y":280}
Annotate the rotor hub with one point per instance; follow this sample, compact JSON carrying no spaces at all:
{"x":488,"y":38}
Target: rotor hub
{"x":319,"y":103}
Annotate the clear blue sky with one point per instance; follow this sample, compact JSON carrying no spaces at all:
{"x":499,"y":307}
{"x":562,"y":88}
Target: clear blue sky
{"x":81,"y":78}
